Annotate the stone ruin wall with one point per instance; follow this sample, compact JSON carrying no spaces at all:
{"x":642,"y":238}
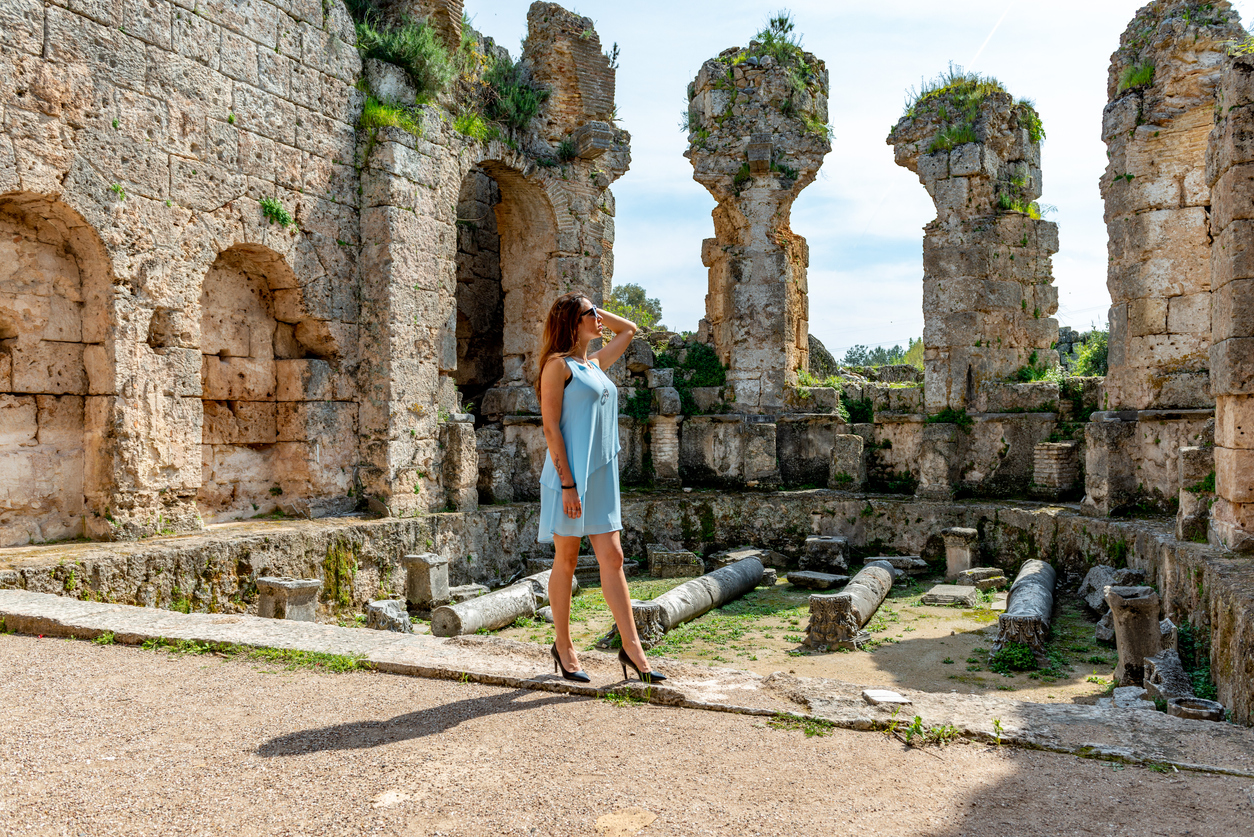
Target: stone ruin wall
{"x":1230,"y":173}
{"x":170,"y":357}
{"x":326,"y":366}
{"x":1158,"y":203}
{"x":755,"y":142}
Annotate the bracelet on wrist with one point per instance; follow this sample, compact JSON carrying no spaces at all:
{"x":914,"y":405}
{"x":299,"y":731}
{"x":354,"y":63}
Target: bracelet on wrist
{"x":568,"y":486}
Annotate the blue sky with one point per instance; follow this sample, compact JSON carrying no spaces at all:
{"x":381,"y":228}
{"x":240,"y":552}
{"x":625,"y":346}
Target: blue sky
{"x":864,"y":215}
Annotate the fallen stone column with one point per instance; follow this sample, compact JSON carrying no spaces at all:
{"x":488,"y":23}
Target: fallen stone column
{"x":1137,"y":633}
{"x":540,"y":586}
{"x":495,"y":610}
{"x":836,"y":619}
{"x":693,"y":598}
{"x":1029,"y":608}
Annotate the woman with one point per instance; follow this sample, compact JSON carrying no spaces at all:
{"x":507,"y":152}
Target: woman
{"x":579,"y":482}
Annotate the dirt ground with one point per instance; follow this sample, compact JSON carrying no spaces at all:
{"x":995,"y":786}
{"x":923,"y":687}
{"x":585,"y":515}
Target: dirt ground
{"x":104,"y":740}
{"x":914,"y":646}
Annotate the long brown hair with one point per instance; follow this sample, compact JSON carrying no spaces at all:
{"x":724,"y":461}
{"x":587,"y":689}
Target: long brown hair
{"x":561,"y":330}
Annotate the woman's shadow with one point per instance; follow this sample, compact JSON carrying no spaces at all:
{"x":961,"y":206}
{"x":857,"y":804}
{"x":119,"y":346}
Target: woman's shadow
{"x":362,"y":734}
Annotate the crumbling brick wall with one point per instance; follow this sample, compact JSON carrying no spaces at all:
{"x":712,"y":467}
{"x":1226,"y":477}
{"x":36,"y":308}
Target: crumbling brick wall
{"x":1161,"y":89}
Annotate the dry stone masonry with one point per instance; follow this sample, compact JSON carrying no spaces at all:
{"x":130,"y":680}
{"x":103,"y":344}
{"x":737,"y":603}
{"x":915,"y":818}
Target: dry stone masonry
{"x":987,"y":285}
{"x":757,"y":120}
{"x":229,"y":287}
{"x":1230,"y":173}
{"x":1161,"y":88}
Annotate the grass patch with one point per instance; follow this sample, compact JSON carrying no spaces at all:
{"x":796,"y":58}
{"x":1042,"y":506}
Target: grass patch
{"x":376,"y":114}
{"x":414,"y":46}
{"x":1139,"y":74}
{"x":287,"y":658}
{"x":624,"y":697}
{"x":812,"y":727}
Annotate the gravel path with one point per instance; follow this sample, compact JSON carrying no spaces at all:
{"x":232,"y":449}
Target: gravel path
{"x":103,"y":740}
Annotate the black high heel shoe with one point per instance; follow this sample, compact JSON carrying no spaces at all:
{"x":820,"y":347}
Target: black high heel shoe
{"x":645,"y":676}
{"x":577,"y":676}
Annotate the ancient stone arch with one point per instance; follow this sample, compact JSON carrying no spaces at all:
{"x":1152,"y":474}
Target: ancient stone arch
{"x":279,"y":423}
{"x":55,"y":374}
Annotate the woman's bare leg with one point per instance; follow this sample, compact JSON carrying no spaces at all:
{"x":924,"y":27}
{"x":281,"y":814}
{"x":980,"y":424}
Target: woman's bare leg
{"x":609,"y":552}
{"x":566,"y":555}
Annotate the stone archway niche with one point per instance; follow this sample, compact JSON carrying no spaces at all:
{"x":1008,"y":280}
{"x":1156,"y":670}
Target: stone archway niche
{"x":53,"y":284}
{"x":280,"y":428}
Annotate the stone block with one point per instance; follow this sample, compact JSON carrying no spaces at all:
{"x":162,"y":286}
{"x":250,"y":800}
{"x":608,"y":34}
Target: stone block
{"x":639,"y":355}
{"x":300,"y":421}
{"x":239,"y":423}
{"x":767,"y":557}
{"x":237,"y":378}
{"x":1196,"y":463}
{"x":592,"y":140}
{"x":848,"y":466}
{"x":288,"y":598}
{"x":1234,"y":421}
{"x":19,"y":421}
{"x":47,"y":367}
{"x":808,"y":580}
{"x":660,"y":378}
{"x":388,"y":82}
{"x":388,"y":615}
{"x":825,"y":554}
{"x":466,"y":592}
{"x":1232,"y":314}
{"x":961,"y":545}
{"x":951,"y":595}
{"x":982,"y":578}
{"x":426,"y":580}
{"x":673,"y":563}
{"x":1234,"y":474}
{"x":666,"y":401}
{"x":1093,"y":588}
{"x":707,"y":399}
{"x":908,"y":564}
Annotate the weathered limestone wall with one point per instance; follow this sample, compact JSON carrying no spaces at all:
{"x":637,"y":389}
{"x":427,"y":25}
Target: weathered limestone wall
{"x":201,"y":361}
{"x":565,"y":55}
{"x":47,"y":324}
{"x":149,"y":136}
{"x":1161,"y":87}
{"x":1230,"y":173}
{"x":755,"y":142}
{"x":988,"y":288}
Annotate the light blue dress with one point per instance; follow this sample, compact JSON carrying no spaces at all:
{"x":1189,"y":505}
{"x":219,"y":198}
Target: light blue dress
{"x":589,"y":426}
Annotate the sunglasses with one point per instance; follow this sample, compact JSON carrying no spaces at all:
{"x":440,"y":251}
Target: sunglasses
{"x":592,"y":311}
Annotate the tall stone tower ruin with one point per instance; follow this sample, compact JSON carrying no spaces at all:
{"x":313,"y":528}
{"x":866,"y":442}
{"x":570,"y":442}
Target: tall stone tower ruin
{"x":757,"y":136}
{"x":1161,"y":88}
{"x":988,"y":288}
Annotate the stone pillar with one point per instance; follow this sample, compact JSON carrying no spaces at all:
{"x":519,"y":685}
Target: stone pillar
{"x":1055,"y":468}
{"x":1230,"y":170}
{"x":848,"y":465}
{"x":664,"y":448}
{"x":1109,"y":472}
{"x":757,"y":138}
{"x":564,"y":53}
{"x":1161,"y":89}
{"x":1197,"y":492}
{"x":1137,"y":633}
{"x":461,"y":463}
{"x":988,"y":289}
{"x":960,"y":547}
{"x":426,"y":580}
{"x":288,"y":598}
{"x":938,"y":461}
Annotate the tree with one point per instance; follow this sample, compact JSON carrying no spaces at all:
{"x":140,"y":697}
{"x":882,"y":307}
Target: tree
{"x":631,"y":301}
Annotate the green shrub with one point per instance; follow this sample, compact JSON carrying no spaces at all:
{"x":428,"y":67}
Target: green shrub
{"x":1035,"y":370}
{"x":1139,"y":74}
{"x":1014,"y":656}
{"x":470,"y":124}
{"x":951,"y":416}
{"x":858,"y":410}
{"x":510,"y":99}
{"x":275,"y":212}
{"x":376,"y":114}
{"x":700,"y":368}
{"x":414,"y":46}
{"x":1092,"y":356}
{"x":639,"y":405}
